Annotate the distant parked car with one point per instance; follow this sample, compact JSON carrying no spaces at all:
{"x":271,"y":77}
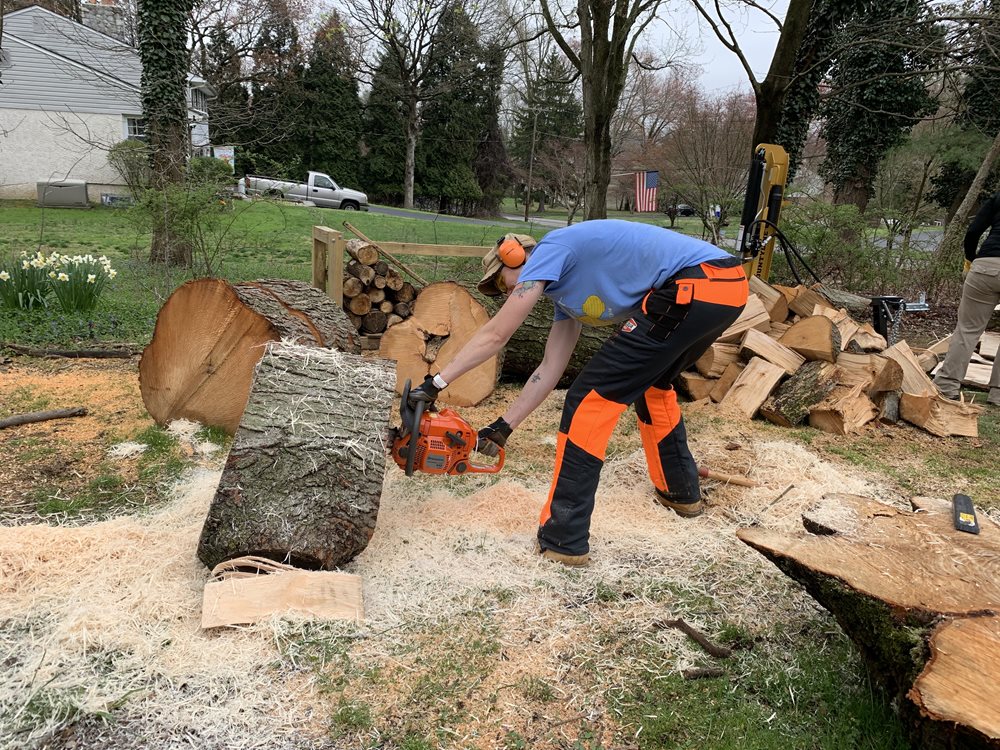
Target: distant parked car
{"x":683,"y":209}
{"x":318,"y":188}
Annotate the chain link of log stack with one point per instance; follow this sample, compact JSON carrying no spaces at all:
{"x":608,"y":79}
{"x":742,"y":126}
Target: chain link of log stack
{"x":376,"y":296}
{"x":797,"y":355}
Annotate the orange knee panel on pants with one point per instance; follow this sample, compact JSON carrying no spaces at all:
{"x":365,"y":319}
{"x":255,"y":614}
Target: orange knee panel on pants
{"x":590,"y":429}
{"x":665,"y":415}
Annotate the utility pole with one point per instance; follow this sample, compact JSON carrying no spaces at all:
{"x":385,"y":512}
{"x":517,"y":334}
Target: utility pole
{"x":531,"y":165}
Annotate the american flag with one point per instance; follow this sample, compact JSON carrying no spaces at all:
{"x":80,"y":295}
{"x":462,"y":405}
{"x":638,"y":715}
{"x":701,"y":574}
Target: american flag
{"x":645,"y":190}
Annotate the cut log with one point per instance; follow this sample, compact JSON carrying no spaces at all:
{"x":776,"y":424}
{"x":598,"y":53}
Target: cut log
{"x":887,"y":404}
{"x":757,"y":344}
{"x":378,"y":282}
{"x":393,"y":280}
{"x":844,"y":322}
{"x":874,"y":372}
{"x":753,"y":387}
{"x":355,"y":320}
{"x":696,"y":386}
{"x":927,"y":359}
{"x":778,"y":330}
{"x":406,"y":292}
{"x":723,"y":384}
{"x":353,"y":286}
{"x":716,"y":359}
{"x":392,"y":319}
{"x":381,"y":268}
{"x":443,"y":310}
{"x":754,"y":315}
{"x":376,"y":296}
{"x":858,"y":307}
{"x":386,"y":306}
{"x":402,"y":309}
{"x":303,"y":479}
{"x":209,"y":335}
{"x":919,"y":599}
{"x":33,"y":417}
{"x":940,"y":416}
{"x":365,"y":273}
{"x":844,"y":412}
{"x":362,"y":252}
{"x":360,"y":305}
{"x":774,"y":301}
{"x":790,"y":404}
{"x":374,"y":322}
{"x":806,"y":300}
{"x":868,"y":339}
{"x":915,"y":380}
{"x":815,"y":338}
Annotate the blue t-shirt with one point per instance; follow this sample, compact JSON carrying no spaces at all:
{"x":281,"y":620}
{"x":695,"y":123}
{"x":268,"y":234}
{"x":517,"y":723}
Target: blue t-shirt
{"x":599,"y":271}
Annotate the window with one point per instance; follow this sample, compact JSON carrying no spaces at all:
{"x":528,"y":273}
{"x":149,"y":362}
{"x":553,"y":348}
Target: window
{"x":323,"y":182}
{"x":135,"y":128}
{"x":199,"y":100}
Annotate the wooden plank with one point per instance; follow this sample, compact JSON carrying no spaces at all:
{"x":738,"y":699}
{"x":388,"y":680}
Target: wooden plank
{"x":416,"y":248}
{"x":940,"y":347}
{"x":989,"y":343}
{"x":752,"y":387}
{"x":320,"y":237}
{"x":335,"y":266}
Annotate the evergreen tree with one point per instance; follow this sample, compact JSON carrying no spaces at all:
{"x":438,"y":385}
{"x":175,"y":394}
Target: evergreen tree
{"x":384,"y":128}
{"x":329,"y":134}
{"x":454,"y":117}
{"x":492,"y":165}
{"x":878,"y":93}
{"x":229,"y":111}
{"x":552,"y":99}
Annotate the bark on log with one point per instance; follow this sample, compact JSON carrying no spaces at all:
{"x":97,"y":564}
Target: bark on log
{"x":790,"y":404}
{"x":860,"y":308}
{"x":303,"y":479}
{"x":33,"y":417}
{"x":918,"y":598}
{"x":209,"y":336}
{"x":365,"y":273}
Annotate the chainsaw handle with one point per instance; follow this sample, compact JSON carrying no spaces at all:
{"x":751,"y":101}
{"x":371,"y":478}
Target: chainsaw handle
{"x":486,"y":469}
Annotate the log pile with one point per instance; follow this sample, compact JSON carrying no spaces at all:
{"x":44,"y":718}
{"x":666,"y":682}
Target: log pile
{"x":795,"y":357}
{"x":920,"y":599}
{"x":376,"y":296}
{"x":980,"y":363}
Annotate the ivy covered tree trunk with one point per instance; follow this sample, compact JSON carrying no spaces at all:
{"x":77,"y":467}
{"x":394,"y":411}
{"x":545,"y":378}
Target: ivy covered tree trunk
{"x":163,"y":30}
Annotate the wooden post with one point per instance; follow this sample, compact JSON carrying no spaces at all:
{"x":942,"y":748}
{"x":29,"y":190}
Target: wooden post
{"x":320,"y":237}
{"x":335,"y":266}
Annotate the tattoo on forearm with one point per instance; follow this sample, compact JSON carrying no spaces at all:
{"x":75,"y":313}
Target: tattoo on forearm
{"x":536,"y":378}
{"x":520,"y":289}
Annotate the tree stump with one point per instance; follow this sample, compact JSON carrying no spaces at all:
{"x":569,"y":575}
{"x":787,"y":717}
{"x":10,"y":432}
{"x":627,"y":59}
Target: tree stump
{"x":303,"y":479}
{"x":920,"y":599}
{"x":210,"y":334}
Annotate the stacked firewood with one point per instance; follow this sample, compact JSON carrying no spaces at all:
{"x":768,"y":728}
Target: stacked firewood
{"x":797,"y":357}
{"x":375,"y":295}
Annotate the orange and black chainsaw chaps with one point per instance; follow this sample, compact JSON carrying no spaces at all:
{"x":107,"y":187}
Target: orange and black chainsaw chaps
{"x":436,"y":442}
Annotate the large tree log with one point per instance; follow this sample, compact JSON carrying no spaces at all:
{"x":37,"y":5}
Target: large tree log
{"x":303,"y":479}
{"x":210,"y":334}
{"x":920,"y":600}
{"x":445,"y":316}
{"x":810,"y":385}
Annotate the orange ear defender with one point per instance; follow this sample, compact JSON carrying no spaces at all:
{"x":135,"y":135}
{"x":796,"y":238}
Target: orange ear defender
{"x":511,"y":253}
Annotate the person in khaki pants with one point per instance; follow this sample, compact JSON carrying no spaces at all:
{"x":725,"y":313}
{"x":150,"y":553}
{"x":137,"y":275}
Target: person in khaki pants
{"x":980,"y":296}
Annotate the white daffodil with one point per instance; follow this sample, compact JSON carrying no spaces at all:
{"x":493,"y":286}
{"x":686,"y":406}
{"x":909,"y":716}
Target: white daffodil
{"x":52,"y":274}
{"x":112,"y":273}
{"x":63,"y":277}
{"x":4,"y":276}
{"x":91,"y":278}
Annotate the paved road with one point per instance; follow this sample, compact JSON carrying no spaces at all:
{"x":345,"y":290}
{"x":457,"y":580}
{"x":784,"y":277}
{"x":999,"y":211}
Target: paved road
{"x":506,"y":221}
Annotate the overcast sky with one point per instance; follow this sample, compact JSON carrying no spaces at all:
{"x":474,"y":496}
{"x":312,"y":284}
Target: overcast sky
{"x":721,"y":69}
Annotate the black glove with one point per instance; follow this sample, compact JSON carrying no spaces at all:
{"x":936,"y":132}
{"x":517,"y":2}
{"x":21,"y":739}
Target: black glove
{"x":425,"y":393}
{"x":493,"y":437}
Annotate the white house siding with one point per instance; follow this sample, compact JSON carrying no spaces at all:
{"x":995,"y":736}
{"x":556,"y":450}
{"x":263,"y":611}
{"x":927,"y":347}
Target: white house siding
{"x":39,"y":146}
{"x":76,"y":42}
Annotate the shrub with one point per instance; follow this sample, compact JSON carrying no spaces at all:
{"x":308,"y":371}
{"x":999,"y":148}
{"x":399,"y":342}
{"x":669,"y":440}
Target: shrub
{"x":130,"y":159}
{"x":79,"y":280}
{"x":24,"y":281}
{"x":204,"y":170}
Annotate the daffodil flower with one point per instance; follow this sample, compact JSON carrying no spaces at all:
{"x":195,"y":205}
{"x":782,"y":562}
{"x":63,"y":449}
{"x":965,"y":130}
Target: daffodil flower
{"x":91,"y":278}
{"x":63,"y":277}
{"x":4,"y":276}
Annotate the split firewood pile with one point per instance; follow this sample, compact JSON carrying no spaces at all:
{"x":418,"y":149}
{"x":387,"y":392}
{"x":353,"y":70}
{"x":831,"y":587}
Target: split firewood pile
{"x":797,"y":355}
{"x":376,"y":296}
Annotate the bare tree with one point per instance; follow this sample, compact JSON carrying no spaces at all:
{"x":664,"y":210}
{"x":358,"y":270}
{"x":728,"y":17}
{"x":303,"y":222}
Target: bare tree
{"x":609,"y":31}
{"x":704,"y":158}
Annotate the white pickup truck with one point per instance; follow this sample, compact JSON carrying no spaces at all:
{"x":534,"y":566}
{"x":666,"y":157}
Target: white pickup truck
{"x":319,"y":188}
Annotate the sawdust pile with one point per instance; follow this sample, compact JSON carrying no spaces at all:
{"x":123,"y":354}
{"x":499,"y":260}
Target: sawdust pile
{"x":106,"y":617}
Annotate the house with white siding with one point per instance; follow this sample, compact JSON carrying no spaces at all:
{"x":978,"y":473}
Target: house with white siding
{"x":68,"y":94}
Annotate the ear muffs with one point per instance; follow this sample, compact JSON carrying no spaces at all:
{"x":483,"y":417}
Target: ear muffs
{"x":511,"y":253}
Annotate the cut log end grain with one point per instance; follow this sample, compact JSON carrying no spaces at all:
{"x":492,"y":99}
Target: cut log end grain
{"x":444,"y":319}
{"x":362,"y":252}
{"x":815,"y":338}
{"x":209,"y":336}
{"x":919,"y":600}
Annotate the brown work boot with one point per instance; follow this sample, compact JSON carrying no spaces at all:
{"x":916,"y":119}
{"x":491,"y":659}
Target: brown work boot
{"x":683,"y":508}
{"x":573,"y":561}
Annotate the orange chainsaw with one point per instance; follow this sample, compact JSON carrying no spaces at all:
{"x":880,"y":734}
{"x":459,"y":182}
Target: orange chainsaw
{"x":436,"y":442}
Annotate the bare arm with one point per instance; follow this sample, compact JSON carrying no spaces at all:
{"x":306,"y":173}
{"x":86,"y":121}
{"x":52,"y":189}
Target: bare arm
{"x":492,"y":337}
{"x":558,"y":349}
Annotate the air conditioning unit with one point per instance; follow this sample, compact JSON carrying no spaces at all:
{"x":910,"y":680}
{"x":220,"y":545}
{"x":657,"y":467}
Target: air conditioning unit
{"x":63,"y":194}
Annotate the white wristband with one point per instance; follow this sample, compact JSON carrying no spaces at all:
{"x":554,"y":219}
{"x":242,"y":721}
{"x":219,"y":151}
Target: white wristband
{"x":439,"y":382}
